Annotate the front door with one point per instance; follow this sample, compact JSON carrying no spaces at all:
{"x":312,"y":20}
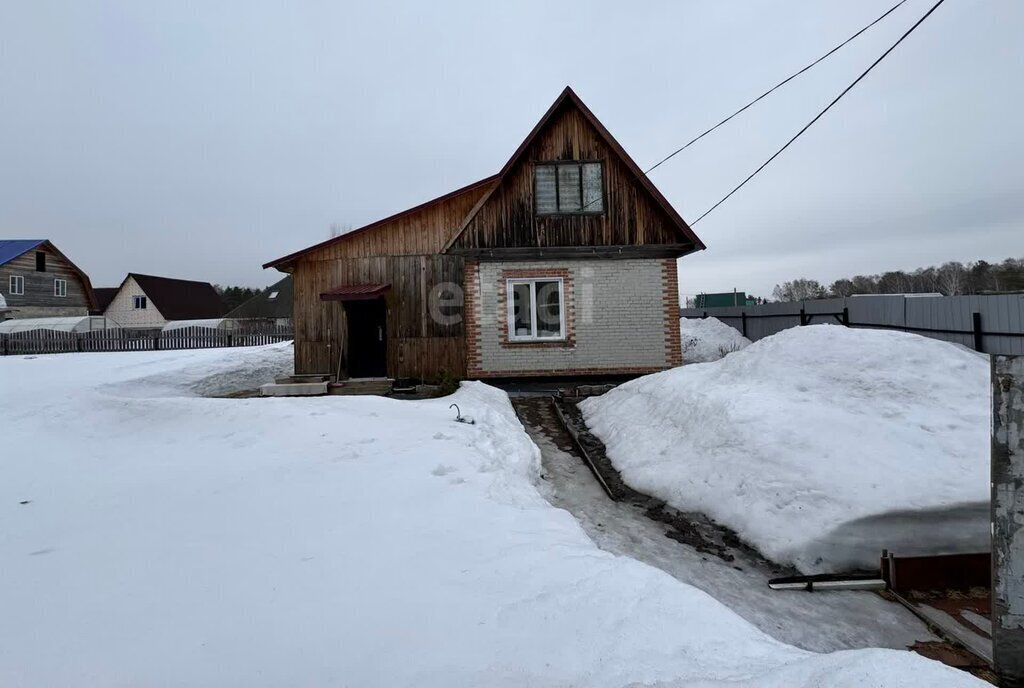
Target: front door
{"x":367,"y":338}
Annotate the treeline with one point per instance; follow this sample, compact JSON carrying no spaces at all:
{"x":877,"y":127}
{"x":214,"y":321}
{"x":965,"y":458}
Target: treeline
{"x":234,"y":296}
{"x":949,"y":279}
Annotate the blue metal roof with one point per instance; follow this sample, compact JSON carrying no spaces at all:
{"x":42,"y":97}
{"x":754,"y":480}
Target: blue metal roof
{"x":12,"y":248}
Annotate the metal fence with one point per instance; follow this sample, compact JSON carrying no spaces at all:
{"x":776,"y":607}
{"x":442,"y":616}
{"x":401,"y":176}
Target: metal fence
{"x":57,"y":342}
{"x":990,"y":323}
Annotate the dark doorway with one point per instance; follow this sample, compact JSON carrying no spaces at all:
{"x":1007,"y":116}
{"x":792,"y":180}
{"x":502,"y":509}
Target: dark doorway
{"x":367,"y":338}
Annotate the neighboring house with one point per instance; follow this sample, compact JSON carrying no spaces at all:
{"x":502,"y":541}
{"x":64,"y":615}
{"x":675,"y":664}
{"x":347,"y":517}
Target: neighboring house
{"x":145,"y":301}
{"x":103,"y":297}
{"x":272,"y":306}
{"x":38,"y":281}
{"x":564,"y":263}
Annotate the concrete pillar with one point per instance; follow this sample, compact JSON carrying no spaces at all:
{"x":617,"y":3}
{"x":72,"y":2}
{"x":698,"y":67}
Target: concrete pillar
{"x":1008,"y":519}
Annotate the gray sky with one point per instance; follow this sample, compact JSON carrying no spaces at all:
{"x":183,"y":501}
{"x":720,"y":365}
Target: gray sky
{"x":201,"y":139}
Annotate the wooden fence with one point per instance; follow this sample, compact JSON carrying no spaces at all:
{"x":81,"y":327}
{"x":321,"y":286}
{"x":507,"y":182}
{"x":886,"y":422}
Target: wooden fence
{"x":991,"y":324}
{"x":56,"y":342}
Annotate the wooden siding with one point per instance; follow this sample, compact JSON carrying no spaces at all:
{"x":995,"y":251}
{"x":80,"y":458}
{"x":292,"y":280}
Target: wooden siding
{"x":507,"y":218}
{"x":405,"y":253}
{"x":418,"y":344}
{"x":421,"y":233}
{"x":39,"y":293}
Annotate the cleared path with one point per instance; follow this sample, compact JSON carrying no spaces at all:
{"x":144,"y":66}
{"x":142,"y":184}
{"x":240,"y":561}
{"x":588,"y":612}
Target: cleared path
{"x":821,"y":622}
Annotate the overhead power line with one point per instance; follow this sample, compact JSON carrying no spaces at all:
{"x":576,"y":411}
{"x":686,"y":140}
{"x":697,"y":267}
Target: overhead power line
{"x":822,"y":113}
{"x":773,"y":88}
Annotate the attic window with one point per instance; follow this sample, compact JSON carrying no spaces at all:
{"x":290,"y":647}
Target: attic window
{"x":273,"y":295}
{"x":139,"y":302}
{"x":568,"y":188}
{"x":40,"y":261}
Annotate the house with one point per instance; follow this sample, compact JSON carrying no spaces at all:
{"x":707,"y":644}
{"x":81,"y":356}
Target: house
{"x":563,"y":263}
{"x":148,"y":302}
{"x":38,"y":281}
{"x":103,"y":297}
{"x":271,"y":307}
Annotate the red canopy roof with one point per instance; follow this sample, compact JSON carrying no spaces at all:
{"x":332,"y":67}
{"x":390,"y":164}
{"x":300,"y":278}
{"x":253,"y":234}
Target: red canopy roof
{"x":355,"y":292}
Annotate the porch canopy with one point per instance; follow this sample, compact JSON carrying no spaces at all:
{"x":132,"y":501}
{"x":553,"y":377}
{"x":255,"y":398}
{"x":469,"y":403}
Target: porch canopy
{"x":355,"y":292}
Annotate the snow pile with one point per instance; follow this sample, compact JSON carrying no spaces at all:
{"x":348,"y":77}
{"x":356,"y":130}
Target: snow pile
{"x":820,"y":445}
{"x":155,"y":538}
{"x":708,"y":339}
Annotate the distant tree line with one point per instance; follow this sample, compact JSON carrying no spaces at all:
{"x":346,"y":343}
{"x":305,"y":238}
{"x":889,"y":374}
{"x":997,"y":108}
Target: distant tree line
{"x":949,"y":279}
{"x":235,"y":296}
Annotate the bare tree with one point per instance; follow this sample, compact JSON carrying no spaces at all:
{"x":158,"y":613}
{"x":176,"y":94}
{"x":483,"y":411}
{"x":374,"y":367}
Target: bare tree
{"x":950,"y":278}
{"x":799,"y":290}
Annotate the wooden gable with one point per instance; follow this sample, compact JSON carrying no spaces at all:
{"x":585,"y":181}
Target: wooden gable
{"x":635,"y":214}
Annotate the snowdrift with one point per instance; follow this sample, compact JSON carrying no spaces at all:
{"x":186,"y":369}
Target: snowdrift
{"x":708,"y":339}
{"x":156,"y":538}
{"x":820,"y":445}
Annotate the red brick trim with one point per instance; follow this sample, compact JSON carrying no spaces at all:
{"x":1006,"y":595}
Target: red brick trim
{"x":470,"y":315}
{"x":568,"y":292}
{"x":670,"y":295}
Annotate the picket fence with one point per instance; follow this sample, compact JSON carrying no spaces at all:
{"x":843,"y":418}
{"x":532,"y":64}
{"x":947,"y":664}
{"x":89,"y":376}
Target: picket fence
{"x":990,"y":323}
{"x":57,"y":342}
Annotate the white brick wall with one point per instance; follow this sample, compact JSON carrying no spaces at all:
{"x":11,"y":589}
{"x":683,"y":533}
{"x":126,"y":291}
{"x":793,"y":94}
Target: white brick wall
{"x":122,"y":308}
{"x":619,"y":318}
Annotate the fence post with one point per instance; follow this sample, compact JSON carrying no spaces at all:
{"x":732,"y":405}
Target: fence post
{"x":4,"y":338}
{"x":78,"y":342}
{"x":979,"y":344}
{"x":803,"y":316}
{"x":1008,"y":520}
{"x":846,"y":316}
{"x":156,"y":341}
{"x":743,"y":319}
{"x":704,"y":316}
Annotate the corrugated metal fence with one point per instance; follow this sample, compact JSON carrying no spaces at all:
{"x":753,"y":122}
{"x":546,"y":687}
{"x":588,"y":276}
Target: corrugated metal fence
{"x":993,"y":323}
{"x":57,"y":342}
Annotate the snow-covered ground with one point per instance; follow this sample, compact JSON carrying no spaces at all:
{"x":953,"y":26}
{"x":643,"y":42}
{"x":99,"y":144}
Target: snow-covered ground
{"x":708,"y":339}
{"x":820,"y":445}
{"x":153,"y":537}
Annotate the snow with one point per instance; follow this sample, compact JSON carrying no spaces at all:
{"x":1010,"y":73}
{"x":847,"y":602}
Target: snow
{"x":708,"y":339}
{"x":171,"y":539}
{"x":820,"y":445}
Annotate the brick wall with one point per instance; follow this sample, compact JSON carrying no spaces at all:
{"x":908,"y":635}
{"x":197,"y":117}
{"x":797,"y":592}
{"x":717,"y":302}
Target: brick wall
{"x":621,"y":317}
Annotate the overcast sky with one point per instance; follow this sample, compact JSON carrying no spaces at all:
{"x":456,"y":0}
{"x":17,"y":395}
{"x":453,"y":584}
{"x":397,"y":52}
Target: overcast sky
{"x":202,"y":139}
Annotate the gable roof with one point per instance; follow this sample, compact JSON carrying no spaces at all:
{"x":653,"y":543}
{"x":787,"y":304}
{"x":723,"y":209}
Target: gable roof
{"x":262,"y":306}
{"x":104,"y":295}
{"x":179,"y":299}
{"x":374,"y":225}
{"x":12,"y":248}
{"x":569,"y":96}
{"x":494,"y":181}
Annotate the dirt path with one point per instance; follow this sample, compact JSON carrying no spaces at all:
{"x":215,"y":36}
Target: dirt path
{"x":702,"y":555}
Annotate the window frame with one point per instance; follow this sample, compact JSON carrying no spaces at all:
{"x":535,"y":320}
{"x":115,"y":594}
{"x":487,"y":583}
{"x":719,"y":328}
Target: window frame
{"x":60,"y":287}
{"x":569,"y":213}
{"x":511,"y":309}
{"x":16,"y":279}
{"x":137,"y":299}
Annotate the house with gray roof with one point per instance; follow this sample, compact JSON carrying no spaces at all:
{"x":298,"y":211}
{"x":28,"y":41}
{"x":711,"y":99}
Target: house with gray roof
{"x":38,"y":281}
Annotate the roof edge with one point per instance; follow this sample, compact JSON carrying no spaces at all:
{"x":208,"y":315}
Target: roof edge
{"x":645,"y":181}
{"x":277,"y":263}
